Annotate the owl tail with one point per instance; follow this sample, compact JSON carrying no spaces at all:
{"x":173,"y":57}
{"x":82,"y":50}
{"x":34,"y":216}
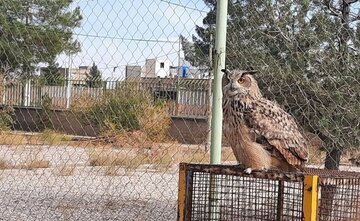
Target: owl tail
{"x":284,"y":166}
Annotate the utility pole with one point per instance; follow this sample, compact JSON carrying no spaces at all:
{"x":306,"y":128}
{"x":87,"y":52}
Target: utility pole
{"x":209,"y":90}
{"x":68,"y":83}
{"x":179,"y":59}
{"x":178,"y":79}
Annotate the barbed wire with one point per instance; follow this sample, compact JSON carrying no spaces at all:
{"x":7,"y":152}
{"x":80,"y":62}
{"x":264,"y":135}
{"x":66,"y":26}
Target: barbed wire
{"x":126,"y":39}
{"x":184,"y":6}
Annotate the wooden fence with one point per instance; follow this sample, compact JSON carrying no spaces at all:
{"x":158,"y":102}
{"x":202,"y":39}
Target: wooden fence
{"x":188,"y":98}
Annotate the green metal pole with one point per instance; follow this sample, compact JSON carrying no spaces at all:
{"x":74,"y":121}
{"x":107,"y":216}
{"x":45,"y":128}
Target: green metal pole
{"x":217,"y":115}
{"x":220,"y":46}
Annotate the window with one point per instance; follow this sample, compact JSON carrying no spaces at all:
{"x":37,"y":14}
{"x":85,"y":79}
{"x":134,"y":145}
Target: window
{"x":162,"y":64}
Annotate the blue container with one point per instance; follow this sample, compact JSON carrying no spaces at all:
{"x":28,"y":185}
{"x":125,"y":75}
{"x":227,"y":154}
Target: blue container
{"x":184,"y":70}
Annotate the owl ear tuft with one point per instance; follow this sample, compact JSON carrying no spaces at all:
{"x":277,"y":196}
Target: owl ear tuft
{"x":249,"y":70}
{"x":225,"y":70}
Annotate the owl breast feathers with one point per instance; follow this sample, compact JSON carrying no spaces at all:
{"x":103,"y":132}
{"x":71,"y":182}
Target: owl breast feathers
{"x":261,"y":134}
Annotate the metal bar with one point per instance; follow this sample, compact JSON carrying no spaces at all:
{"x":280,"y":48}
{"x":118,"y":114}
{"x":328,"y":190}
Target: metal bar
{"x":310,"y":197}
{"x":220,"y":46}
{"x":189,"y":192}
{"x":181,"y":192}
{"x":280,"y":201}
{"x":238,"y":171}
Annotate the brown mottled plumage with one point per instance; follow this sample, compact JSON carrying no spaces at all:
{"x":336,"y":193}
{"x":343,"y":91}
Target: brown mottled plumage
{"x":260,"y":133}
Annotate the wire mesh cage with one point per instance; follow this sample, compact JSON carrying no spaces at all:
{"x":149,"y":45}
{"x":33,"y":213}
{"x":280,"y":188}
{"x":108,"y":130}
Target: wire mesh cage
{"x":339,"y":195}
{"x":223,"y":192}
{"x":101,"y":99}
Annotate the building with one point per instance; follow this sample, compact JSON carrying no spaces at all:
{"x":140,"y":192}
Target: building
{"x":78,"y":75}
{"x":133,"y":72}
{"x":81,"y":73}
{"x":157,"y":68}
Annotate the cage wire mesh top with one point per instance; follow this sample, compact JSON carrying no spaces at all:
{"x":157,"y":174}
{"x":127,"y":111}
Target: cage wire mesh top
{"x":225,"y":192}
{"x":100,"y":101}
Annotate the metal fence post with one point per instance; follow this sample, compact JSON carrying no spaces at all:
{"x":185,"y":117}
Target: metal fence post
{"x":220,"y":46}
{"x":27,"y":92}
{"x":310,"y":197}
{"x":216,"y":118}
{"x":182,"y":192}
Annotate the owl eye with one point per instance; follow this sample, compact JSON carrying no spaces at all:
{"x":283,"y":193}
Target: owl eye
{"x":241,"y":80}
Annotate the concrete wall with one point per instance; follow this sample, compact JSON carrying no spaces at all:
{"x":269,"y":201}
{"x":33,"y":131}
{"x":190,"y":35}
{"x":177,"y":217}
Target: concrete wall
{"x":29,"y":119}
{"x":188,"y":130}
{"x":184,"y":130}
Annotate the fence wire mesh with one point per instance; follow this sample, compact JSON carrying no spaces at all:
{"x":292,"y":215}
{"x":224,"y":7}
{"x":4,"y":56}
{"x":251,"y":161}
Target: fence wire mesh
{"x":102,"y":99}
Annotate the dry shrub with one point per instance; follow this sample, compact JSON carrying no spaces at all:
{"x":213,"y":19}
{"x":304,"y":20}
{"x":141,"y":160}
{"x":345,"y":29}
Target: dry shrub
{"x":133,"y":139}
{"x":155,"y":122}
{"x":119,"y":110}
{"x":6,"y":119}
{"x":83,"y":103}
{"x":126,"y":109}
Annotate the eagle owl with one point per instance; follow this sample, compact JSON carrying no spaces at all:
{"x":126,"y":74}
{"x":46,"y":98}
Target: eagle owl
{"x":261,"y":134}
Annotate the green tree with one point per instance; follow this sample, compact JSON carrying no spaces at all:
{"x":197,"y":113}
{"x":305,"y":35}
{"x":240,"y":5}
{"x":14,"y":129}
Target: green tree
{"x":308,"y":56}
{"x":35,"y":31}
{"x":94,"y":77}
{"x":51,"y":75}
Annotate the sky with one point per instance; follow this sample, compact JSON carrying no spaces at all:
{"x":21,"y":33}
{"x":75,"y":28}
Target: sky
{"x":115,"y":33}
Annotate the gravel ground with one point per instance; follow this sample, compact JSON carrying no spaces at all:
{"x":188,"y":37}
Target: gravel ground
{"x":86,"y":194}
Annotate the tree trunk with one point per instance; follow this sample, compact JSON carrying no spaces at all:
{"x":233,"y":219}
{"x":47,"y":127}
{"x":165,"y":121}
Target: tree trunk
{"x":328,"y":192}
{"x":332,"y":160}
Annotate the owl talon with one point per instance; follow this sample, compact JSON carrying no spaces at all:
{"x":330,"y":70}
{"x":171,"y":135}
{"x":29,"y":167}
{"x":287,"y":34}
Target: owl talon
{"x":248,"y":170}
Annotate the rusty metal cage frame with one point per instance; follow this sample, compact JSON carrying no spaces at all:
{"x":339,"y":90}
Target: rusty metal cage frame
{"x":315,"y":194}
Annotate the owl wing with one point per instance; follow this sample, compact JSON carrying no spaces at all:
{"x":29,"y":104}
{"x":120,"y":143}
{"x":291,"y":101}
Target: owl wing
{"x":279,"y":129}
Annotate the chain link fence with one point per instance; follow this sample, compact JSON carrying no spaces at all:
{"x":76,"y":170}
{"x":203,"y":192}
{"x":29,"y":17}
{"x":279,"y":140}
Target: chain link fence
{"x":100,"y":100}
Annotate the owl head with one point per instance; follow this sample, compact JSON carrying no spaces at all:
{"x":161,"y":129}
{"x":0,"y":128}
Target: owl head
{"x":238,"y":84}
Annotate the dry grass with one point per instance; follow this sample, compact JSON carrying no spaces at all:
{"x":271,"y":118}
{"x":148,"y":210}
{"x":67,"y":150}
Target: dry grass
{"x":4,"y":164}
{"x":316,"y":156}
{"x":67,"y":170}
{"x":8,"y":138}
{"x":50,"y":137}
{"x":53,"y":137}
{"x":112,"y":171}
{"x":109,"y":158}
{"x":35,"y":164}
{"x":132,"y":139}
{"x":227,"y":154}
{"x":161,"y":158}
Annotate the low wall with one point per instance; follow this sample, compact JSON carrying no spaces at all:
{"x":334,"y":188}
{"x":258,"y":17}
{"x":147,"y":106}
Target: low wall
{"x":184,"y":130}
